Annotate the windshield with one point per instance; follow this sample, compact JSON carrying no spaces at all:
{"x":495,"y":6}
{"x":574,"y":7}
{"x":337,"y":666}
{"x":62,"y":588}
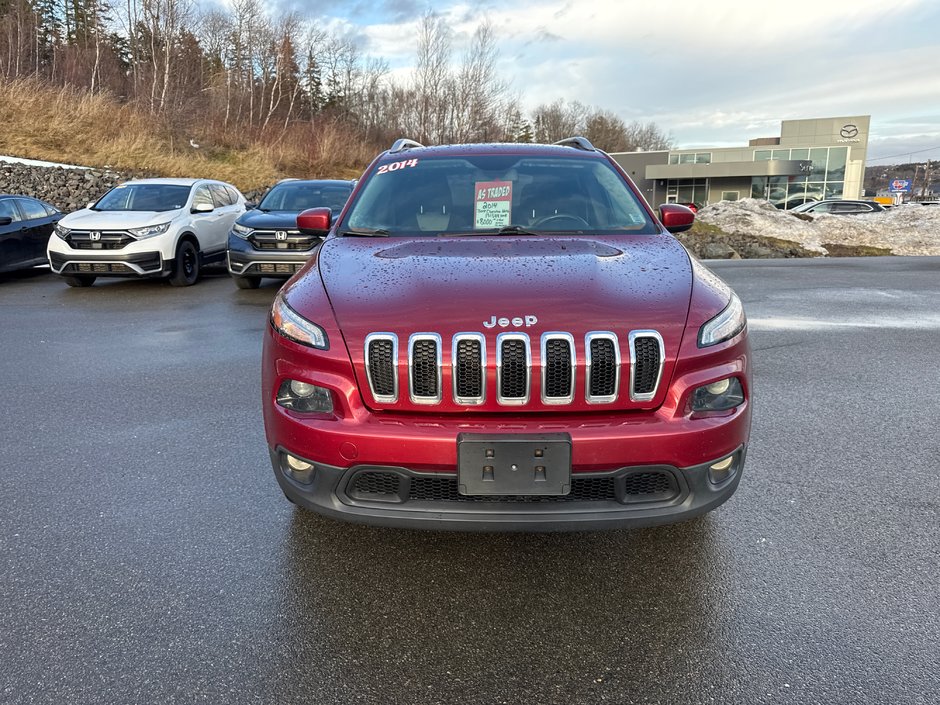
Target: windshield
{"x":301,"y":196}
{"x":144,"y":197}
{"x":487,"y":194}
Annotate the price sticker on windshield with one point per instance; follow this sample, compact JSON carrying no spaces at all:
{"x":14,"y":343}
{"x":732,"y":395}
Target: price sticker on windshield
{"x":492,"y":207}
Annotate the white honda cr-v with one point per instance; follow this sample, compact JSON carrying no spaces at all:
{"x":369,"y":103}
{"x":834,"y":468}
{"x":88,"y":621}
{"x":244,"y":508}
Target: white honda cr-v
{"x":147,"y":228}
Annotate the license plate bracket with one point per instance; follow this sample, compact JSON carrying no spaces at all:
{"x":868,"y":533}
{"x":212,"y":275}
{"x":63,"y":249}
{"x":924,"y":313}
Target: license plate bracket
{"x":514,"y":464}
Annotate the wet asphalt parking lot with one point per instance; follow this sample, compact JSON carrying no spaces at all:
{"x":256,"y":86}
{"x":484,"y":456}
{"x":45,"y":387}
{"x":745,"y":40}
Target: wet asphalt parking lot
{"x":147,"y":555}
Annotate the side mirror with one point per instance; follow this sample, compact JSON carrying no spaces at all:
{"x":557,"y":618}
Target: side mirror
{"x":250,"y":206}
{"x":315,"y":221}
{"x":676,"y":218}
{"x":91,"y":204}
{"x":203,"y":208}
{"x":5,"y":220}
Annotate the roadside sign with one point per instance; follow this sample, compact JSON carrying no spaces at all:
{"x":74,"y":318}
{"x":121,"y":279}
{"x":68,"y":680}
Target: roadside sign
{"x":900,"y":186}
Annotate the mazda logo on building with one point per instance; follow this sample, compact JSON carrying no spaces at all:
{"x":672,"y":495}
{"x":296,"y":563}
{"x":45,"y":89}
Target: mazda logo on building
{"x":849,"y":131}
{"x":280,"y":235}
{"x":94,"y":236}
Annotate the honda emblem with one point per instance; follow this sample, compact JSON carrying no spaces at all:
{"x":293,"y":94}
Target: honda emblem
{"x":94,"y":236}
{"x":280,"y":235}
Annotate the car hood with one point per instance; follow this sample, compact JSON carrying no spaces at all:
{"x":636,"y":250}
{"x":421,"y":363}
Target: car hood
{"x":449,"y":285}
{"x":87,"y":219}
{"x":272,"y":220}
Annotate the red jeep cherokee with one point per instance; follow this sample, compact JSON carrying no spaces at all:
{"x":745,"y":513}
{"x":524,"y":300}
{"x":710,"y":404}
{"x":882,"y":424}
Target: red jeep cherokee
{"x":505,"y":337}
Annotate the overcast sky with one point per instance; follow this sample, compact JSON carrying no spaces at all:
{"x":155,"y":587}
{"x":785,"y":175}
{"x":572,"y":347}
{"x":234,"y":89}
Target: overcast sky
{"x":709,"y":73}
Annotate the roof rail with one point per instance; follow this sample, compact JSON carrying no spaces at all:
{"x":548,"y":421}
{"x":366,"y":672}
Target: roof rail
{"x":402,"y":144}
{"x":577,"y":143}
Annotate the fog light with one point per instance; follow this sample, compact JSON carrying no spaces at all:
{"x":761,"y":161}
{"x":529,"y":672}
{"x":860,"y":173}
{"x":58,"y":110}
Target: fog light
{"x":718,"y":396}
{"x":297,"y":464}
{"x":722,"y":470}
{"x":302,"y":389}
{"x":298,"y":469}
{"x":305,"y":397}
{"x":718,"y":388}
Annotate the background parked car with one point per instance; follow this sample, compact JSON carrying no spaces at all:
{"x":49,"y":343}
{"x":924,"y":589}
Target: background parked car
{"x":25,"y":226}
{"x":147,"y":228}
{"x":265,"y":241}
{"x":795,"y":201}
{"x":838,"y":207}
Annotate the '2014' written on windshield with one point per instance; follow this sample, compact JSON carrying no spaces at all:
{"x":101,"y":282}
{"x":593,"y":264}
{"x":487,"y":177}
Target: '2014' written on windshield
{"x":395,"y":166}
{"x":493,"y":192}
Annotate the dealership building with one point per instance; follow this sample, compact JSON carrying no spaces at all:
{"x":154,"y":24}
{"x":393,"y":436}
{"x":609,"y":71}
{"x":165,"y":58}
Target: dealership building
{"x":810,"y":160}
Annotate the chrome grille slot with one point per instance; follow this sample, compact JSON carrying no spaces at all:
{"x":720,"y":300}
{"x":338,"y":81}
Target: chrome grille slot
{"x":424,"y":368}
{"x":382,"y":366}
{"x":558,"y":367}
{"x":513,"y":368}
{"x":469,"y":362}
{"x":603,"y":367}
{"x":647,"y":355}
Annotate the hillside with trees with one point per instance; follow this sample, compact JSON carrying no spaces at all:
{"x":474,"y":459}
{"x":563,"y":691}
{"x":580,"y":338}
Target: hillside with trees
{"x":249,"y":94}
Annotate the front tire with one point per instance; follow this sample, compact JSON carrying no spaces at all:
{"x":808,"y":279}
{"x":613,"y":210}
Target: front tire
{"x":247,"y":282}
{"x":80,"y":280}
{"x":185,"y":265}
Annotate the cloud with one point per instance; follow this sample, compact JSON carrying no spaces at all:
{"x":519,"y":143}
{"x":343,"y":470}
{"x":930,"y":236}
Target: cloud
{"x":712,"y":74}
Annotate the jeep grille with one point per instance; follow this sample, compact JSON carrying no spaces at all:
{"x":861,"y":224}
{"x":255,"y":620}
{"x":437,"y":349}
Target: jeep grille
{"x":513,"y":367}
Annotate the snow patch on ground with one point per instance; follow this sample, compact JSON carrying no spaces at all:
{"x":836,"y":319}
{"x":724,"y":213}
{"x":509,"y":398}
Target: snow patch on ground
{"x":37,"y":162}
{"x":904,"y":230}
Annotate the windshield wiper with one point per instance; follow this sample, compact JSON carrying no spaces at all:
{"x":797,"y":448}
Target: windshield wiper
{"x":365,"y":232}
{"x":507,"y":230}
{"x":515,"y":230}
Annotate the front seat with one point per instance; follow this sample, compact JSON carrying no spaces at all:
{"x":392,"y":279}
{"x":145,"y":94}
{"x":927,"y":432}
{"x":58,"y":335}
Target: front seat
{"x":429,"y":208}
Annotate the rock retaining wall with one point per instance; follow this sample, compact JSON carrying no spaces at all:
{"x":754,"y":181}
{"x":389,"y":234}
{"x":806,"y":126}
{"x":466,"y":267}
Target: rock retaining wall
{"x":66,"y":189}
{"x":71,"y":189}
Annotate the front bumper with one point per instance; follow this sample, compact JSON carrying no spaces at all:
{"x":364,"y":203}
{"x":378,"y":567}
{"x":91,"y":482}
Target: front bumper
{"x":127,"y":264}
{"x":116,"y":254}
{"x":670,"y":441}
{"x":246,"y":261}
{"x":627,"y":497}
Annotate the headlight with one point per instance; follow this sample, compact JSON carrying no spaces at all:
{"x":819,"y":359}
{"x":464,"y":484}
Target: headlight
{"x":149,"y":231}
{"x":242,"y":231}
{"x":725,"y":325}
{"x":62,"y":232}
{"x":718,"y":396}
{"x":293,"y":326}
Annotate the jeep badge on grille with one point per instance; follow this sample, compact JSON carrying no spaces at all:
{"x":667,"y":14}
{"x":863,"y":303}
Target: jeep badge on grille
{"x":516,"y":322}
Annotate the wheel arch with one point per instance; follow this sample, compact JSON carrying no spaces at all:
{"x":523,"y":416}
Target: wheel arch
{"x":188,"y":236}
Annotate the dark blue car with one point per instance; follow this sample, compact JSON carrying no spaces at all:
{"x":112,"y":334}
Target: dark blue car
{"x":265,"y":241}
{"x":25,"y":226}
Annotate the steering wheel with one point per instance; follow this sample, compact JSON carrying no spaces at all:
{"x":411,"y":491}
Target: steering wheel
{"x":561,"y":218}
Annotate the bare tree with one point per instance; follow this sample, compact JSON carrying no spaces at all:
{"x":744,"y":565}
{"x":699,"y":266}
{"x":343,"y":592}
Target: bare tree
{"x":479,"y":91}
{"x":647,"y":137}
{"x":431,"y":79}
{"x":165,"y":21}
{"x":558,"y":120}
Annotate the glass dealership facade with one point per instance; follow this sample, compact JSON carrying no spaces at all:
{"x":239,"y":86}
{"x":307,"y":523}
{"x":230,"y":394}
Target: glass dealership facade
{"x":811,"y":160}
{"x":825,"y":179}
